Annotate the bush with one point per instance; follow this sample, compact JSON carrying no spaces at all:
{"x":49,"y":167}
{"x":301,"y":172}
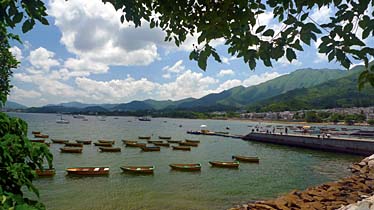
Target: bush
{"x":371,"y":122}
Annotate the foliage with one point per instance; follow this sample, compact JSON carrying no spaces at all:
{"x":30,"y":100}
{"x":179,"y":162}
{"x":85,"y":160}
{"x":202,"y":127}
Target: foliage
{"x":335,"y":117}
{"x":312,"y":116}
{"x":341,"y":92}
{"x":19,"y":157}
{"x":237,"y":22}
{"x":371,"y":122}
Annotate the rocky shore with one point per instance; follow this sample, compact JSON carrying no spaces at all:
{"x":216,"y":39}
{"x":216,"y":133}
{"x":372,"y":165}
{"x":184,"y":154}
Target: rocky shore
{"x":350,"y":193}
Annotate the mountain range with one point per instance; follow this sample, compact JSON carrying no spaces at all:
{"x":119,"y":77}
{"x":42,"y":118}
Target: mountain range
{"x":301,"y":89}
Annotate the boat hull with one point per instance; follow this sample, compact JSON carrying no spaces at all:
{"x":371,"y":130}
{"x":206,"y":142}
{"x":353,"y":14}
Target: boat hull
{"x":88,"y":171}
{"x":186,"y":167}
{"x":138,"y":169}
{"x":184,"y":148}
{"x":85,"y":142}
{"x":151,"y":149}
{"x":110,"y":149}
{"x":188,"y":144}
{"x":71,"y":150}
{"x":103,"y":144}
{"x":45,"y":172}
{"x":246,"y":159}
{"x":224,"y":164}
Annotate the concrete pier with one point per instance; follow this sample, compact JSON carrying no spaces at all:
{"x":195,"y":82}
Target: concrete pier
{"x":344,"y":145}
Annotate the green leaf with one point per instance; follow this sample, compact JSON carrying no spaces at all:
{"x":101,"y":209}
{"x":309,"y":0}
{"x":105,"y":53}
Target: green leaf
{"x":28,"y":25}
{"x":18,"y":17}
{"x":290,"y":54}
{"x":202,"y":62}
{"x":269,"y":32}
{"x":260,"y":29}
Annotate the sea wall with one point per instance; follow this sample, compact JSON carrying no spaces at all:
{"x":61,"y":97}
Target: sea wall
{"x":346,"y":145}
{"x":350,"y":193}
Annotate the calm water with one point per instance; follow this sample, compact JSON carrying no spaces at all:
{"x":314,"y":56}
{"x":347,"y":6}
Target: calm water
{"x":281,"y":168}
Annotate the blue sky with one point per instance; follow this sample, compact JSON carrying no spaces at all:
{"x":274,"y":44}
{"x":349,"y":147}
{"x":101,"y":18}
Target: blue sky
{"x":87,"y":55}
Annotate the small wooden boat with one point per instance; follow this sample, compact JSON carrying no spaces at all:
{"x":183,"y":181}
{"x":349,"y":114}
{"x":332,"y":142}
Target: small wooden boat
{"x":129,"y":141}
{"x":138,"y":169}
{"x":164,"y":137}
{"x":88,"y":171}
{"x":154,"y":141}
{"x":189,"y":144}
{"x":110,"y":149}
{"x":162,"y":144}
{"x":37,"y":140}
{"x":86,"y":142}
{"x":106,"y":141}
{"x":246,"y":159}
{"x":43,"y":136}
{"x":35,"y":132}
{"x":72,"y":144}
{"x":71,"y":150}
{"x":228,"y":164}
{"x":45,"y":172}
{"x":135,"y":144}
{"x":150,"y":149}
{"x":185,"y":148}
{"x":186,"y":167}
{"x":174,"y":141}
{"x":103,"y":144}
{"x":144,"y":137}
{"x":192,"y":141}
{"x":59,"y":141}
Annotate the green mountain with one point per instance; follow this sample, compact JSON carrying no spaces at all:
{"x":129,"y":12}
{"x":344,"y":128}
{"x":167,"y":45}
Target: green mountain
{"x":14,"y":105}
{"x":239,"y":97}
{"x":342,"y":92}
{"x":149,"y":105}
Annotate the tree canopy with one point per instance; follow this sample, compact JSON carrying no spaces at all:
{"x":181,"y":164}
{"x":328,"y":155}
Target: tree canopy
{"x":237,"y":22}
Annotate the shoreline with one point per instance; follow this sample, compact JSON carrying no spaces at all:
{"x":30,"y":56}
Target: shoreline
{"x":345,"y":193}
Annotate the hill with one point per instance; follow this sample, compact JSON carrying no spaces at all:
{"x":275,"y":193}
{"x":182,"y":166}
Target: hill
{"x":14,"y":105}
{"x":239,"y":97}
{"x":341,"y":92}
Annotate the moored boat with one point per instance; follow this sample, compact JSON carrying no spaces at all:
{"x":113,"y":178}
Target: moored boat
{"x":138,"y":169}
{"x":144,"y":137}
{"x":246,"y":159}
{"x":129,"y":141}
{"x":162,"y":144}
{"x":189,"y":144}
{"x":59,"y":141}
{"x":135,"y":144}
{"x":106,"y":141}
{"x":37,"y":140}
{"x":154,"y":141}
{"x":88,"y":171}
{"x":45,"y":172}
{"x":110,"y":149}
{"x":186,"y":167}
{"x":185,"y":148}
{"x":86,"y":142}
{"x":73,"y":144}
{"x":150,"y":149}
{"x":35,"y":132}
{"x":192,"y":141}
{"x":103,"y":144}
{"x":164,"y":137}
{"x":71,"y":150}
{"x":225,"y":164}
{"x":174,"y":141}
{"x":43,"y":136}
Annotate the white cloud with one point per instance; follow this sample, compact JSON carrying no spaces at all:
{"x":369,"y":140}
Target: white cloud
{"x":225,"y":72}
{"x":42,"y":60}
{"x":228,"y":84}
{"x":321,"y":15}
{"x":92,"y":30}
{"x":16,"y":52}
{"x":176,"y":68}
{"x":257,"y":79}
{"x":227,"y":60}
{"x":18,"y":94}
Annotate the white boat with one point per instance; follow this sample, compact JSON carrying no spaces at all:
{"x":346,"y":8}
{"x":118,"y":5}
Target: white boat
{"x":145,"y":118}
{"x":62,"y":121}
{"x":78,"y":116}
{"x":102,"y":118}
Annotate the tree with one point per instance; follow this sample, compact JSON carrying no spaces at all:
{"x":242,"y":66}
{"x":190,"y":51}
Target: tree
{"x":237,"y":22}
{"x":19,"y":157}
{"x":312,"y":116}
{"x":371,"y":122}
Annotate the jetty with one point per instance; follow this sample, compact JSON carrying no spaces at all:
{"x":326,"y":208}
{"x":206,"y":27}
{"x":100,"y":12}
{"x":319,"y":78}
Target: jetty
{"x":334,"y":144}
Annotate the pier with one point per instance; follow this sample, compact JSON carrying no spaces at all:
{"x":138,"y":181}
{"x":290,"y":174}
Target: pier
{"x":333,"y":144}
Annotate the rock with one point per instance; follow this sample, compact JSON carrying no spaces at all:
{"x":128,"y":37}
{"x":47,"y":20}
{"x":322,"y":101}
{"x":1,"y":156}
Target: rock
{"x":371,"y":163}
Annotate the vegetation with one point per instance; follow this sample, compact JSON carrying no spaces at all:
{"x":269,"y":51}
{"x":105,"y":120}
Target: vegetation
{"x":237,"y":22}
{"x":341,"y":92}
{"x":18,"y":156}
{"x":312,"y":116}
{"x":371,"y":122}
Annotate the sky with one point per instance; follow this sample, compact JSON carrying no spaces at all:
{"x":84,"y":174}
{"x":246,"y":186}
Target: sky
{"x":87,"y":55}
